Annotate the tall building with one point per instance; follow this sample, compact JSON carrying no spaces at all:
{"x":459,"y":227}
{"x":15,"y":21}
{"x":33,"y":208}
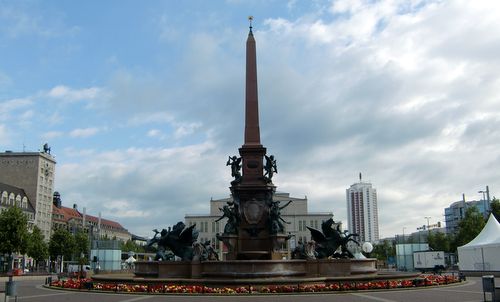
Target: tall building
{"x":34,"y":173}
{"x":456,"y":212}
{"x":362,"y":213}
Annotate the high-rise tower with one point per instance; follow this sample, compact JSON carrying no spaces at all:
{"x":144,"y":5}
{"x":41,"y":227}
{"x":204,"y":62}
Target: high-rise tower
{"x":362,"y":213}
{"x":34,"y":173}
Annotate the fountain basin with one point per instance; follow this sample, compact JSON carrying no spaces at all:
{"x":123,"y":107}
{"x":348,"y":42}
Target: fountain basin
{"x":251,"y":269}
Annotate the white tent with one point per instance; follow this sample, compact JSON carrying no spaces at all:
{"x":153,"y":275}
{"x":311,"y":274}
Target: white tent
{"x":483,"y":252}
{"x":130,"y":260}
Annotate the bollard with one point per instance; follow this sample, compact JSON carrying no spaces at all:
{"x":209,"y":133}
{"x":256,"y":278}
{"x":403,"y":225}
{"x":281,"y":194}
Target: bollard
{"x":10,"y":288}
{"x":489,"y":286}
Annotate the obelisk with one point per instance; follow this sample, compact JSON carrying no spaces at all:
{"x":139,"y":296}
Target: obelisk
{"x":252,"y":131}
{"x":252,"y":152}
{"x":253,"y":193}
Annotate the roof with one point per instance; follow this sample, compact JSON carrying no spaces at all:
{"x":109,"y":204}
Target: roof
{"x":489,"y":235}
{"x":16,"y":191}
{"x":12,"y":189}
{"x":67,"y":213}
{"x":104,"y":222}
{"x":70,"y":213}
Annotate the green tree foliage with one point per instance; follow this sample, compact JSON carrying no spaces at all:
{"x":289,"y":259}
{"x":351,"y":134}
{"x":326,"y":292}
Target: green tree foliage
{"x":37,"y":247}
{"x":82,"y":244}
{"x":470,"y":226}
{"x":62,"y":243}
{"x":495,"y":208}
{"x":13,"y":231}
{"x":439,"y":242}
{"x":131,"y":246}
{"x":383,"y":250}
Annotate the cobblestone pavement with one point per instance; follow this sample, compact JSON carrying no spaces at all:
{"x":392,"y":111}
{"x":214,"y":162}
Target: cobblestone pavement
{"x":469,"y":291}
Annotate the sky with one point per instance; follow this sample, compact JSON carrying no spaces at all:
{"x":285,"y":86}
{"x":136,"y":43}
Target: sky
{"x":142,"y":102}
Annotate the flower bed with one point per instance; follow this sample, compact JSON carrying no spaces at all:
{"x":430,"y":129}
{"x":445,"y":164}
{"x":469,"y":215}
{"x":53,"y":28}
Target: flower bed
{"x":88,"y":284}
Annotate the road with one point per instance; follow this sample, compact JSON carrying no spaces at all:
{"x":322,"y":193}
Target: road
{"x":32,"y":290}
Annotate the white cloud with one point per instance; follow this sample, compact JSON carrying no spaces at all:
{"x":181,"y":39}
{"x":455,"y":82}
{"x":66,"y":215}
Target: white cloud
{"x":4,"y":135}
{"x":52,"y":135}
{"x":186,"y":129}
{"x":388,"y":88}
{"x":154,"y":133}
{"x":397,"y":90}
{"x":84,"y":132}
{"x":152,"y":118}
{"x":68,"y":94}
{"x":8,"y":107}
{"x":160,"y":184}
{"x":26,"y":21}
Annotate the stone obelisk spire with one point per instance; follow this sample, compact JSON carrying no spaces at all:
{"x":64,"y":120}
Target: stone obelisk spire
{"x":252,"y":131}
{"x":253,"y":237}
{"x":252,"y":151}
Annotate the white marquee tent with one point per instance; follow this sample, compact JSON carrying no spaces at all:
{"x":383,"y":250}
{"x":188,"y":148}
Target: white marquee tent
{"x":483,"y":252}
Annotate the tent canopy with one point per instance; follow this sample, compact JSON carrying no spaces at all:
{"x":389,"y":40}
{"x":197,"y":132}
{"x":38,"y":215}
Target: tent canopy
{"x":130,"y":259}
{"x":483,"y":252}
{"x":490,"y":234}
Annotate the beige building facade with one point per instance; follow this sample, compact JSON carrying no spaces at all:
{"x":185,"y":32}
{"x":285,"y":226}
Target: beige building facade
{"x":296,"y":213}
{"x":34,"y":172}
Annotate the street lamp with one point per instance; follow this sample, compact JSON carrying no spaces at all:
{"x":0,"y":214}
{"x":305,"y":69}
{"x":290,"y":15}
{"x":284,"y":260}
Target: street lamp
{"x":428,"y":218}
{"x":428,"y":230}
{"x":404,"y":249}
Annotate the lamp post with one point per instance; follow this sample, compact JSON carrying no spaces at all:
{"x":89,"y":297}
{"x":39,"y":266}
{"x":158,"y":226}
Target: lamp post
{"x":428,"y":227}
{"x":404,"y":249}
{"x":428,"y":218}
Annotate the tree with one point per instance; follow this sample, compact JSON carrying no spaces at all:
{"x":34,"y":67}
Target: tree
{"x":13,"y":231}
{"x":131,"y":246}
{"x":62,"y":243}
{"x":81,"y":244}
{"x":439,"y":242}
{"x":470,"y":226}
{"x":383,"y":250}
{"x":495,"y":208}
{"x":37,"y":247}
{"x":81,"y":249}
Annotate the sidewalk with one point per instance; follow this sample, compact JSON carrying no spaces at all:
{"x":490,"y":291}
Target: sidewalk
{"x":27,"y":277}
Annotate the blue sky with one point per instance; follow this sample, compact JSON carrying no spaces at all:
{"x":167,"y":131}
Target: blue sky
{"x":142,"y":102}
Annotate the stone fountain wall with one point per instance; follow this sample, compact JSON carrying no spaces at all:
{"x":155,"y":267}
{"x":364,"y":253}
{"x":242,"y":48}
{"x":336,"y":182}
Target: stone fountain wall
{"x":251,"y":269}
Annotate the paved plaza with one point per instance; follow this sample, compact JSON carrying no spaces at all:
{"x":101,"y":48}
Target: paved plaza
{"x":33,"y":290}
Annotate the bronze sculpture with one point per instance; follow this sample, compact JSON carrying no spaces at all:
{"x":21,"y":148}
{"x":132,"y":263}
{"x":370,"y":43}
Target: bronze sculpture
{"x":235,"y":163}
{"x":329,"y":240}
{"x":179,"y":240}
{"x":270,"y":167}
{"x":275,"y":220}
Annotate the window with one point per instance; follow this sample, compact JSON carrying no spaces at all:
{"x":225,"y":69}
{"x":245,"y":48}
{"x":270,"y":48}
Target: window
{"x":11,"y":199}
